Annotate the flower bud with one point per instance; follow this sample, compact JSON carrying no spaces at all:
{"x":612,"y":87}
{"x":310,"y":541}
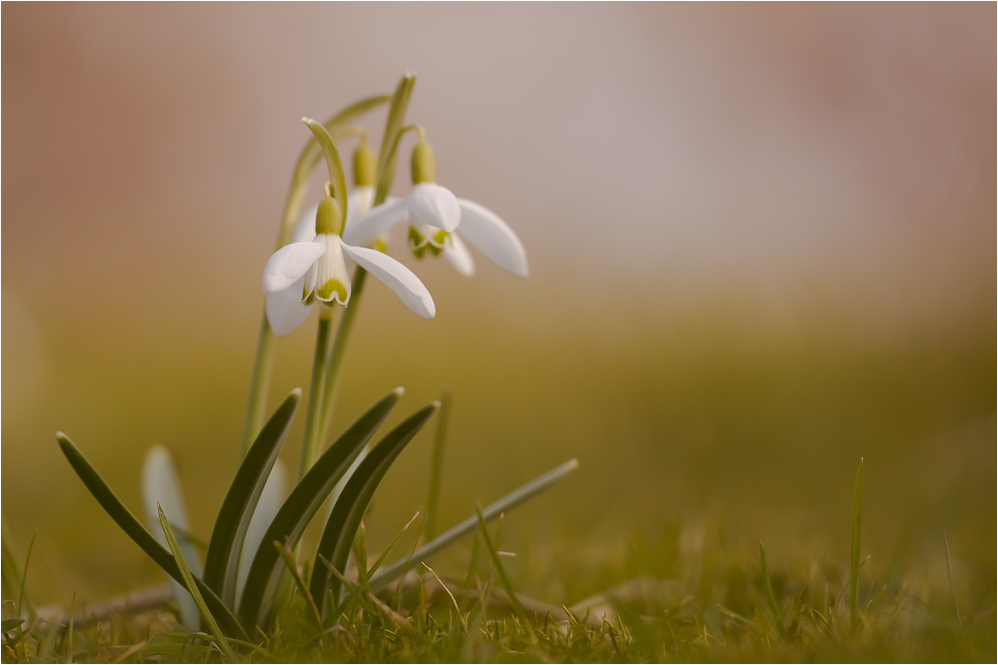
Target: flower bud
{"x":364,"y":164}
{"x":424,"y":164}
{"x":329,"y":217}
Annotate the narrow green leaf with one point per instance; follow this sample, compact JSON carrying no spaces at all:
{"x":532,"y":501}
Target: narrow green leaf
{"x":770,"y":596}
{"x":161,"y":486}
{"x":221,"y":566}
{"x":430,"y":529}
{"x":10,"y":624}
{"x":516,"y":497}
{"x":289,"y":563}
{"x":501,"y":570}
{"x":349,"y":510}
{"x":192,"y":587}
{"x":306,"y":498}
{"x":266,"y":510}
{"x":854,"y":550}
{"x":113,"y":506}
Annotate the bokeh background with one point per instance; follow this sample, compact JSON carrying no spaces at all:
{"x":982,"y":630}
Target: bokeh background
{"x":762,"y":243}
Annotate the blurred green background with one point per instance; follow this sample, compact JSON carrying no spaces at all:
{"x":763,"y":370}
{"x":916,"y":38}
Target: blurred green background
{"x":761,"y":242}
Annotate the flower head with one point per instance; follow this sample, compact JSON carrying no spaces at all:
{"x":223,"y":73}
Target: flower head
{"x":311,"y":269}
{"x":433,"y":214}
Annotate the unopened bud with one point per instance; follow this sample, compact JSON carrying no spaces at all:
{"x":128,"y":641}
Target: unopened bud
{"x":424,"y":164}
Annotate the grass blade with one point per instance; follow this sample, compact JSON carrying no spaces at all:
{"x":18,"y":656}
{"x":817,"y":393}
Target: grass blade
{"x":221,"y":566}
{"x":289,"y":562}
{"x":516,"y":497}
{"x":113,"y":506}
{"x":391,"y":546}
{"x":854,"y":550}
{"x":770,"y":596}
{"x":349,"y":510}
{"x":430,"y":530}
{"x":185,"y":573}
{"x":12,"y":572}
{"x":952,"y":586}
{"x":306,"y":498}
{"x":493,"y":551}
{"x":160,"y":486}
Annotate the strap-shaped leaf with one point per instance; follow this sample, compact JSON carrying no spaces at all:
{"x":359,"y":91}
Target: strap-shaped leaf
{"x":305,"y":500}
{"x":349,"y":510}
{"x":221,"y":565}
{"x":113,"y":506}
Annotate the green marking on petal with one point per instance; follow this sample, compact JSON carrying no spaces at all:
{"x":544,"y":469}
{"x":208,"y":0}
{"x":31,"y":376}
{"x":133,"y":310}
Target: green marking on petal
{"x":381,"y":245}
{"x":434,"y":250}
{"x":307,"y":297}
{"x":333,"y":286}
{"x":416,"y":239}
{"x":419,"y":252}
{"x":440,"y":237}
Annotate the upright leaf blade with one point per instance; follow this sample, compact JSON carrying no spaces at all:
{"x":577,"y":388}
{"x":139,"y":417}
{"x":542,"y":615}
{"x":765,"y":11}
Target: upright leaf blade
{"x":192,"y":587}
{"x":349,"y":510}
{"x":221,"y":566}
{"x":113,"y":506}
{"x":305,"y":500}
{"x":161,"y":487}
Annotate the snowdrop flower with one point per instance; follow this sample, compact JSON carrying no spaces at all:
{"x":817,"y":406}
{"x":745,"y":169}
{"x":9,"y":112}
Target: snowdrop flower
{"x":304,"y":271}
{"x":433,"y":214}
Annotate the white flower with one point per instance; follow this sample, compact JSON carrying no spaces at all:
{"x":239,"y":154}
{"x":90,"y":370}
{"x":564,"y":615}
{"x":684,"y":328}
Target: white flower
{"x":315,"y":268}
{"x":433,"y":214}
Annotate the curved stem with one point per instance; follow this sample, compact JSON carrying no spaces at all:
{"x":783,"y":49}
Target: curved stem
{"x":313,"y":414}
{"x":335,"y":362}
{"x":307,"y":161}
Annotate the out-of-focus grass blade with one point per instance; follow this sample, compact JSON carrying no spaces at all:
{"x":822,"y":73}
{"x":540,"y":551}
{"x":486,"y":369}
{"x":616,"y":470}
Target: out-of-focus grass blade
{"x":11,"y":572}
{"x":113,"y":506}
{"x":306,"y":498}
{"x":10,"y":624}
{"x":160,"y":486}
{"x":192,"y":587}
{"x":857,"y":502}
{"x":289,"y":562}
{"x":501,"y":570}
{"x":337,"y":537}
{"x":266,"y":510}
{"x":511,"y":500}
{"x":430,"y":530}
{"x":221,"y":566}
{"x":770,"y":596}
{"x":952,"y":585}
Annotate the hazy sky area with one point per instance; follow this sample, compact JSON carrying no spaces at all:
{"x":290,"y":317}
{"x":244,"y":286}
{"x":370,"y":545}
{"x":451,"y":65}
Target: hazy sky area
{"x":842,"y":152}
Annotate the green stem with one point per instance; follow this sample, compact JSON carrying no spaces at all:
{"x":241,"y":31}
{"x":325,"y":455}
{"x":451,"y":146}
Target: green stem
{"x":310,"y":443}
{"x":335,"y":362}
{"x":338,"y":126}
{"x":386,"y":173}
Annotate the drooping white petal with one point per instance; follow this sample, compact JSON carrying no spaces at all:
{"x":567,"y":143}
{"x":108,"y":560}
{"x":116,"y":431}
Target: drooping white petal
{"x":483,"y":229}
{"x":396,"y":277}
{"x":434,"y":205}
{"x":160,"y":487}
{"x":285,"y":311}
{"x":363,"y":231}
{"x":457,"y":254}
{"x":305,"y":228}
{"x":332,"y":281}
{"x":289,"y":263}
{"x":266,"y":510}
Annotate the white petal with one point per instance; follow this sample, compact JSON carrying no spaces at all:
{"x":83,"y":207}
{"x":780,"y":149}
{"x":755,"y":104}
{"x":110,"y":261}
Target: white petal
{"x":359,"y":201}
{"x":305,"y":228}
{"x":483,"y":229}
{"x":457,"y":254}
{"x":160,"y":487}
{"x":285,"y":310}
{"x":434,"y":205}
{"x":364,"y":230}
{"x":396,"y":277}
{"x":289,"y":263}
{"x":332,"y":267}
{"x":266,"y":510}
